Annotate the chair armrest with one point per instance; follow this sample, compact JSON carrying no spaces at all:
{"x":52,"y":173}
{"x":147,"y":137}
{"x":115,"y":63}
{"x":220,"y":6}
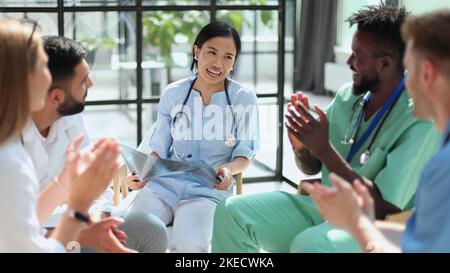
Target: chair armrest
{"x":120,"y":184}
{"x":399,"y":218}
{"x":238,"y":183}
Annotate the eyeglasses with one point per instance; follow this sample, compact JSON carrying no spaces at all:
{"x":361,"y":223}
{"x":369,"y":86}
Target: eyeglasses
{"x":34,"y":25}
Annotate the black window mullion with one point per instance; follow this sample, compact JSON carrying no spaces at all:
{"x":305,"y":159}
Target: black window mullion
{"x":60,"y":18}
{"x":247,"y":7}
{"x":255,"y":49}
{"x":213,"y":10}
{"x":280,"y":97}
{"x":139,"y":69}
{"x":139,"y":8}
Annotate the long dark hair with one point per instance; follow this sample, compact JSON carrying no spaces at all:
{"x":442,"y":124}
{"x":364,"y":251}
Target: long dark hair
{"x":215,"y":29}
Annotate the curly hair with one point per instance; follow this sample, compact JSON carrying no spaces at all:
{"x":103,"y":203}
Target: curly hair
{"x":384,"y":21}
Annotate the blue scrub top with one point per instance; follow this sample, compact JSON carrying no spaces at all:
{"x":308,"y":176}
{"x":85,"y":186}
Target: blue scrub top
{"x":428,"y":229}
{"x":209,"y":126}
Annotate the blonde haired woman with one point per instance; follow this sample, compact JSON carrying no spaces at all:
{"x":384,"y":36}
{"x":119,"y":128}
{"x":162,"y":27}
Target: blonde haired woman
{"x":24,"y":81}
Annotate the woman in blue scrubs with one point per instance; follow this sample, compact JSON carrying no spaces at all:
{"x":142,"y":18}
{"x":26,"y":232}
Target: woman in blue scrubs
{"x":205,"y":117}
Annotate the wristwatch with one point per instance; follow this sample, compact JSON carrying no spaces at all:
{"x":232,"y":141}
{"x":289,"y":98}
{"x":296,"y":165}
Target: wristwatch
{"x":78,"y":216}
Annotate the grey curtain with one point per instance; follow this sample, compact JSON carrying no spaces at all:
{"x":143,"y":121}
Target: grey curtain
{"x":316,"y":39}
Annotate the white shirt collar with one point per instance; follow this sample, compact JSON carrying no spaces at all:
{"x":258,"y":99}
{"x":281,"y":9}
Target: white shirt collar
{"x":31,"y":132}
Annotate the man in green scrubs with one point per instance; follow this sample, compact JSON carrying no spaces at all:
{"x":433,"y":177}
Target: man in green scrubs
{"x":368,"y":132}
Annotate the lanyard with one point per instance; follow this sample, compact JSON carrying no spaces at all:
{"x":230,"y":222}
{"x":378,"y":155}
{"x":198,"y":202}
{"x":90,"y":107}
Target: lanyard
{"x":386,"y":107}
{"x":445,"y":139}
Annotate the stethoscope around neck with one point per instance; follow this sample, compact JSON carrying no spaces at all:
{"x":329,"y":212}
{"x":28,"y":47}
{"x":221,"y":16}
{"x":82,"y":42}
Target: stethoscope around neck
{"x":230,"y":139}
{"x":375,"y":125}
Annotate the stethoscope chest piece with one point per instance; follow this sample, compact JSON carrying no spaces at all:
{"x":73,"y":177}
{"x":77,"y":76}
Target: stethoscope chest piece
{"x":176,"y":125}
{"x":364,"y":157}
{"x":230,"y":140}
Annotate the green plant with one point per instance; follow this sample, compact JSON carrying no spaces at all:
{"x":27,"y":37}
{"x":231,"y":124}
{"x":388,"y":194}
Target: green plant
{"x":162,"y":28}
{"x":92,"y":43}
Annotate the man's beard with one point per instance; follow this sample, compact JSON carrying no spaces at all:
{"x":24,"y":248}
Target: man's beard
{"x":366,"y":84}
{"x":70,"y":106}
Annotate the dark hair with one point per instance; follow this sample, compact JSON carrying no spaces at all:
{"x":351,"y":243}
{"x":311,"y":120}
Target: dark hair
{"x":63,"y":56}
{"x":429,"y":32}
{"x":384,"y":22}
{"x":215,"y":29}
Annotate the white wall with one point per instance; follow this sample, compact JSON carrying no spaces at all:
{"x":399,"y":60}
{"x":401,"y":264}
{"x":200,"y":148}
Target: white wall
{"x":337,"y":73}
{"x":345,"y":9}
{"x":421,"y":6}
{"x":342,"y":49}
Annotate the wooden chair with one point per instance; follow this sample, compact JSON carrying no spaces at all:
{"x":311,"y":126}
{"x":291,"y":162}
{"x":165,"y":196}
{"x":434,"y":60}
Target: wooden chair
{"x":120,"y":184}
{"x":300,"y":189}
{"x":399,"y":218}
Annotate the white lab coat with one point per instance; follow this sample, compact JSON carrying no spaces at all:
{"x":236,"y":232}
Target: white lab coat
{"x":19,"y":229}
{"x":48,"y":155}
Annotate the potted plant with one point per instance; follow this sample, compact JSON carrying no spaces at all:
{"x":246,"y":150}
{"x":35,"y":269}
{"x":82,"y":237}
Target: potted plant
{"x":162,"y":27}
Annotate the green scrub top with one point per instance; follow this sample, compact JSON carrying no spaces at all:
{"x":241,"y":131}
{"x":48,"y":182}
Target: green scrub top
{"x":279,"y":222}
{"x":399,"y":151}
